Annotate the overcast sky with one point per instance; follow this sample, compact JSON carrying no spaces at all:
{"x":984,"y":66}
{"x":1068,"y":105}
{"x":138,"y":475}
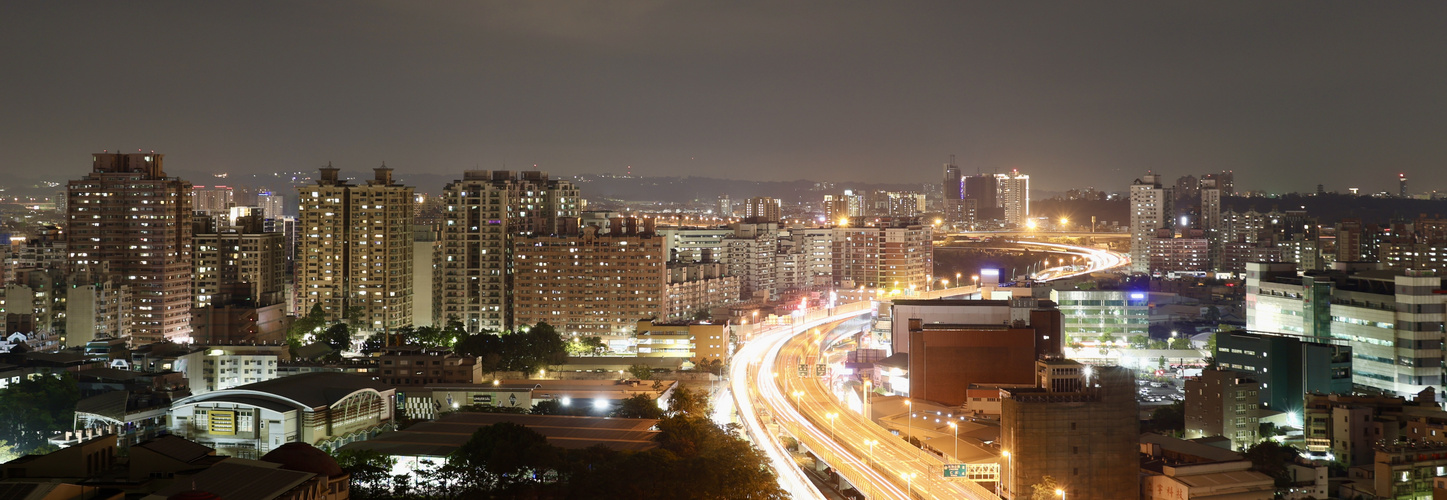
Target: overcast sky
{"x":1286,"y":94}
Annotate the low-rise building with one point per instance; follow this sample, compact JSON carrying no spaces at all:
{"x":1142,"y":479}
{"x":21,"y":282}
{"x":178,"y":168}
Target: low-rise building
{"x":326,"y":410}
{"x":1082,"y":429}
{"x":1223,"y":403}
{"x":1288,"y":367}
{"x":696,"y":341}
{"x":1176,"y":469}
{"x":405,"y":366}
{"x":1092,"y":314}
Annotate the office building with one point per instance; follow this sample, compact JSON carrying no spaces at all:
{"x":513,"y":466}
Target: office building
{"x":982,"y":192}
{"x":725,"y":207}
{"x":1223,"y":403}
{"x":1151,"y":209}
{"x":595,"y":283}
{"x":355,"y":248}
{"x":1288,"y":367}
{"x":1077,"y":425}
{"x":945,"y":358}
{"x":1096,"y":314}
{"x":1390,"y":319}
{"x":128,"y":220}
{"x":483,"y":214}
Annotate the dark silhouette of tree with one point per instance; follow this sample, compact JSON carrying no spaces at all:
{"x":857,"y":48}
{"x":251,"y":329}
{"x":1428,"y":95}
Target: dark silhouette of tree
{"x":1271,"y":458}
{"x":638,"y":406}
{"x":33,"y":410}
{"x":687,"y":402}
{"x":640,"y":371}
{"x":370,"y":471}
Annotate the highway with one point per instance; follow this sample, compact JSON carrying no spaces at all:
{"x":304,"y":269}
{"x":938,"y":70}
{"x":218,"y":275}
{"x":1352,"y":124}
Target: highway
{"x":766,"y":394}
{"x":1097,"y":260}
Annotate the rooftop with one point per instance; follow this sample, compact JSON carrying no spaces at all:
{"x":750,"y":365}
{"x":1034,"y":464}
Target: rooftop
{"x":442,"y":437}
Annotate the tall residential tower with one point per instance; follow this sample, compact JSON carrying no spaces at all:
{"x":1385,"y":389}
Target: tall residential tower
{"x":355,"y":248}
{"x":127,"y":220}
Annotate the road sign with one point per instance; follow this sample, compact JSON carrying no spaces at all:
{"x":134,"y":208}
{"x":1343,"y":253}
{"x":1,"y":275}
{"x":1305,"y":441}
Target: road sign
{"x":974,"y":472}
{"x":803,"y":370}
{"x":954,"y":470}
{"x":821,"y":370}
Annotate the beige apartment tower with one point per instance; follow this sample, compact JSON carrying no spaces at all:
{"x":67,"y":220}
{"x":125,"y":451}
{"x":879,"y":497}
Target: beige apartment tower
{"x":482,"y":215}
{"x":594,"y":283}
{"x":127,"y":220}
{"x":355,"y":248}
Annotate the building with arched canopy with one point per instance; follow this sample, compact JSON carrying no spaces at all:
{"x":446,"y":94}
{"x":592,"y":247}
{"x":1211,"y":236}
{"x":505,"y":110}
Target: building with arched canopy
{"x":325,"y":409}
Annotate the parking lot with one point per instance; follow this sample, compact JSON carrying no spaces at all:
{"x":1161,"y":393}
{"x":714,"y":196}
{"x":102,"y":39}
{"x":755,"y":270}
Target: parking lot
{"x":1152,"y":393}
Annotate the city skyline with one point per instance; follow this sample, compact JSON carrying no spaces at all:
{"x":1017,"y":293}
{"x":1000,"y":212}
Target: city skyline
{"x":855,"y":93}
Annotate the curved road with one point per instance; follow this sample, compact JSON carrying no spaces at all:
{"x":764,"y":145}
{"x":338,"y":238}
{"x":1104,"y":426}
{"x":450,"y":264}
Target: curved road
{"x":768,"y":394}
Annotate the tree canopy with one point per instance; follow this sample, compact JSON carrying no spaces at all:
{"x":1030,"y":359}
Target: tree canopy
{"x":33,"y":410}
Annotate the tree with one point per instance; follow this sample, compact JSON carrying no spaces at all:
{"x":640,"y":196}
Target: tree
{"x":714,"y":366}
{"x":1169,"y":420}
{"x":312,"y":324}
{"x":1212,"y":315}
{"x":688,"y":402}
{"x":1181,"y":343}
{"x":585,"y":346}
{"x":1211,"y":343}
{"x":548,"y":407}
{"x":1045,"y":489}
{"x":1140,"y":341}
{"x":1271,"y":458}
{"x":33,"y":410}
{"x":370,"y":470}
{"x":638,"y":406}
{"x":504,"y":459}
{"x":338,"y":337}
{"x":641,"y":371}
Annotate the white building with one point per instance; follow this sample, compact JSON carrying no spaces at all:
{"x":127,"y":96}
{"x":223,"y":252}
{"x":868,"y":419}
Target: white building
{"x":1014,"y":196}
{"x":1150,"y":209}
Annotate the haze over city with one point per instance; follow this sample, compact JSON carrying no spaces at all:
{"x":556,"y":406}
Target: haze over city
{"x":1075,"y":94}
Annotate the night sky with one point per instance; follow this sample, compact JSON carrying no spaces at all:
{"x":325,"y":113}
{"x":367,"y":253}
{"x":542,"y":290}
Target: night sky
{"x":1288,"y":94}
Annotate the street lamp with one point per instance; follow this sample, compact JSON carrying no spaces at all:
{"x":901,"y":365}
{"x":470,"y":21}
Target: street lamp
{"x":831,"y":416}
{"x":870,"y":443}
{"x":956,"y":429}
{"x":796,"y":400}
{"x":908,"y":483}
{"x":1060,"y":492}
{"x":1010,"y":462}
{"x":977,"y":280}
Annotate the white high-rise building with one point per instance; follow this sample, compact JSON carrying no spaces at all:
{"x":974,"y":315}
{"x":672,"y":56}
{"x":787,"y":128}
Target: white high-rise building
{"x":1013,"y":193}
{"x":1150,"y":209}
{"x":270,"y":204}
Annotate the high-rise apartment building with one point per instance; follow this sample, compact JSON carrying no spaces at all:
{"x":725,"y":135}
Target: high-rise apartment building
{"x":725,"y":206}
{"x":759,"y":210}
{"x":355,"y":248}
{"x":213,"y":199}
{"x":128,"y":220}
{"x":271,"y":204}
{"x":483,"y":213}
{"x":1150,"y":209}
{"x":898,"y":257}
{"x":594,"y":283}
{"x":954,"y":189}
{"x":242,"y":255}
{"x":1014,"y":196}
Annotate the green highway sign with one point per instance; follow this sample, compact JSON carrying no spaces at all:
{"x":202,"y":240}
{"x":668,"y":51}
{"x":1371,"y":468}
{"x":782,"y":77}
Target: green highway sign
{"x":954,"y":470}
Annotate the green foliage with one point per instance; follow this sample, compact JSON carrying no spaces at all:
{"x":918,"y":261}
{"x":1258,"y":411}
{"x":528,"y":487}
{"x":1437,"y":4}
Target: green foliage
{"x":586,"y":346}
{"x":1211,"y":343}
{"x":1213,"y":314}
{"x":696,"y":460}
{"x":688,"y":402}
{"x":638,"y":406}
{"x":338,"y":337}
{"x":370,"y":471}
{"x":1140,"y":341}
{"x":1271,"y":458}
{"x":714,"y":366}
{"x":1045,"y":489}
{"x":641,"y":372}
{"x":524,"y":351}
{"x":1169,"y":420}
{"x":1181,"y":343}
{"x":314,"y":320}
{"x":33,"y":410}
